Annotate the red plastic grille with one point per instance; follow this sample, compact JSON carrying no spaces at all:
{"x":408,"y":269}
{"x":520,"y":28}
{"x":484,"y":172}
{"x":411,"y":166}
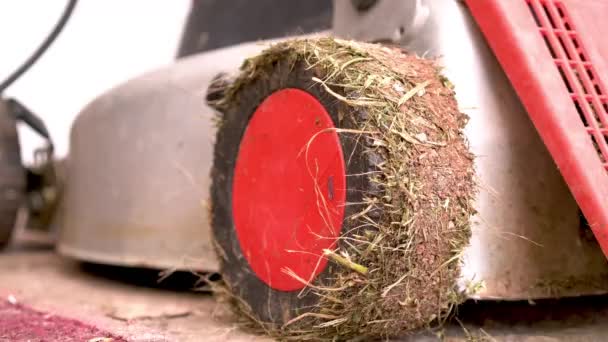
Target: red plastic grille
{"x":588,"y":93}
{"x":555,"y":53}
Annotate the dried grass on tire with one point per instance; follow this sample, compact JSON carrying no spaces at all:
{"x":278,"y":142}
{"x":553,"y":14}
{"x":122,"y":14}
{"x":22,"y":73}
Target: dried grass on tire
{"x":400,"y":269}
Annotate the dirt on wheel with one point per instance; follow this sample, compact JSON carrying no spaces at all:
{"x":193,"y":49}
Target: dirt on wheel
{"x":398,"y":258}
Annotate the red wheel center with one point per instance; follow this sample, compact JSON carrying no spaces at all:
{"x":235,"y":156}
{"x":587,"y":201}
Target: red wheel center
{"x":289,"y":189}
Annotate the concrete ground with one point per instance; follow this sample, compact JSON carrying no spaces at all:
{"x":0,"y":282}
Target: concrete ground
{"x":131,"y":304}
{"x":128,"y":304}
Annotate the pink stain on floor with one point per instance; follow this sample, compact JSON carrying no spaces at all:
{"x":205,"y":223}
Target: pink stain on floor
{"x":20,"y":323}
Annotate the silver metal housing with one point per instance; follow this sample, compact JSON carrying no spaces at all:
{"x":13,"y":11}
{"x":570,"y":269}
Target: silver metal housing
{"x":138,"y":169}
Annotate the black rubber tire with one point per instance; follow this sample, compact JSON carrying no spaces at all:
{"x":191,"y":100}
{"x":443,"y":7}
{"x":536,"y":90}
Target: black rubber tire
{"x":12,"y":175}
{"x":267,"y":304}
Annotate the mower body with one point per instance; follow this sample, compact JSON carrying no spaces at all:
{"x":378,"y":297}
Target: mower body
{"x":138,"y":172}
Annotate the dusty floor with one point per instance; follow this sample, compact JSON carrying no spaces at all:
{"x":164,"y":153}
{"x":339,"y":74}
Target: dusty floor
{"x":129,"y":303}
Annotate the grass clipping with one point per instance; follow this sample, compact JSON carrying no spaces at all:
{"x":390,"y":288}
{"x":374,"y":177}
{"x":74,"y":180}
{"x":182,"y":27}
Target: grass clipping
{"x":399,"y":267}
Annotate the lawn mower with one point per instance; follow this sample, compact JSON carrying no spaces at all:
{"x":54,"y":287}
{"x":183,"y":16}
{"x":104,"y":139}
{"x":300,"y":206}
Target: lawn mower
{"x":348,"y":189}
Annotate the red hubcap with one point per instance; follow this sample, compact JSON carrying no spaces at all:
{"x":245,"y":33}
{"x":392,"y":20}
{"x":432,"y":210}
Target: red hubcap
{"x":289,"y":189}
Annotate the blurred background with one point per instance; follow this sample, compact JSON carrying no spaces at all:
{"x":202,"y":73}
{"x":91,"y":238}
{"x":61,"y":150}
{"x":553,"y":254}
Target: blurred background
{"x":103,"y":44}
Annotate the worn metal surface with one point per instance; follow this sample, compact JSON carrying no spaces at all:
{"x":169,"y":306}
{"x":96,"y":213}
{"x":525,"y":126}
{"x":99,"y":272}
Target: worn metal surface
{"x":527,"y":241}
{"x":138,"y":170}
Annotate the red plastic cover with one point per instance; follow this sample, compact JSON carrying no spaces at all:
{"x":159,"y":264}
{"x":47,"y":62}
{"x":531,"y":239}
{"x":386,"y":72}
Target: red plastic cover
{"x":555,"y":53}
